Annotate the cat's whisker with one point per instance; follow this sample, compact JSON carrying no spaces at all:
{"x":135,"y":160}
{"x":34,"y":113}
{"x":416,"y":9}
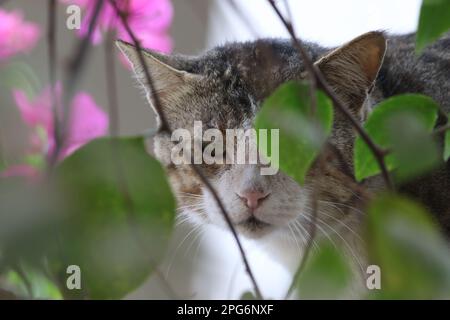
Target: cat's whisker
{"x":342,"y":238}
{"x":343,"y":205}
{"x":300,"y":232}
{"x":309,"y":218}
{"x":295,"y":238}
{"x":189,"y":195}
{"x":196,"y":237}
{"x":307,"y":234}
{"x":180,"y":221}
{"x":340,"y":221}
{"x":196,"y":228}
{"x":197,"y":249}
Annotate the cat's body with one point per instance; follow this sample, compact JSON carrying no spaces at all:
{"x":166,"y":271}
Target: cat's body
{"x":405,"y":72}
{"x":224,"y":89}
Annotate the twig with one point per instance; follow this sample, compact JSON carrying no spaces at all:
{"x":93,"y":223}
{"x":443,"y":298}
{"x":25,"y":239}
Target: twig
{"x":166,"y":128}
{"x":111,"y":85}
{"x":378,"y":153}
{"x":157,"y":103}
{"x":52,"y":56}
{"x":73,"y":73}
{"x":442,"y":129}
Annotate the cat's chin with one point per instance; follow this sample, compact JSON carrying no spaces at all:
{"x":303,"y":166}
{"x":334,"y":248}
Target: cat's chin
{"x":254,"y":229}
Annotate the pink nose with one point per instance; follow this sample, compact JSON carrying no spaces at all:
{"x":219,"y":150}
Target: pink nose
{"x":253,"y":199}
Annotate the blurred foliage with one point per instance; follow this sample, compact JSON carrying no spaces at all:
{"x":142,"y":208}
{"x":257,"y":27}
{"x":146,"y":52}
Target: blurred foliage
{"x":301,"y":132}
{"x":40,"y":285}
{"x":327,"y":274}
{"x":402,"y":125}
{"x":433,"y":22}
{"x":406,"y":243}
{"x":121,"y":213}
{"x":248,"y":296}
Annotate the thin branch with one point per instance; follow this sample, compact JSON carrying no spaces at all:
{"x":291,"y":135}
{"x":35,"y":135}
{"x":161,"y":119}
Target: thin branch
{"x":166,"y":128}
{"x":378,"y":153}
{"x":73,"y":72}
{"x":111,"y":85}
{"x":157,"y":103}
{"x":442,"y":129}
{"x":52,"y":58}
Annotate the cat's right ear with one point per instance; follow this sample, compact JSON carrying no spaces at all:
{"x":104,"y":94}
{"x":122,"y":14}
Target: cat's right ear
{"x":168,"y":82}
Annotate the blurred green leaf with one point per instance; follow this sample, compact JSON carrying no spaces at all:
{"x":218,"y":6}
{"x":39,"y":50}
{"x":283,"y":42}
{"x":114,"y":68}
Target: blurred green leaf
{"x":447,"y":146}
{"x":301,"y":134}
{"x":326,"y":275}
{"x":433,"y":22}
{"x":405,"y":243}
{"x":121,"y":218}
{"x":400,"y":124}
{"x":248,"y":296}
{"x":41,"y":286}
{"x":414,"y":151}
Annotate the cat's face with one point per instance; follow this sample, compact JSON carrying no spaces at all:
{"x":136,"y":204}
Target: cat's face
{"x":224,"y":90}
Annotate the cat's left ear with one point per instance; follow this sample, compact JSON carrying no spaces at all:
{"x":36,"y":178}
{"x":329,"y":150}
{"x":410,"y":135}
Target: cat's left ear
{"x":169,"y":80}
{"x":352,"y":69}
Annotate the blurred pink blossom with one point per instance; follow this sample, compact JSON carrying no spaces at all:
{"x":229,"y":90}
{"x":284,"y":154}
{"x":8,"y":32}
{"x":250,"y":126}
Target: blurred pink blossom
{"x":16,"y":35}
{"x":20,"y":170}
{"x":86,"y":120}
{"x":149,"y":20}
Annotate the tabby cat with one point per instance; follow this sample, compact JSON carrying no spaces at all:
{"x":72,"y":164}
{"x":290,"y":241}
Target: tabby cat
{"x":224,"y":88}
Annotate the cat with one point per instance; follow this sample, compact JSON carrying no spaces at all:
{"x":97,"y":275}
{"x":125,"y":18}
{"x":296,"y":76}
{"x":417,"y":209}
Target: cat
{"x":225,"y":87}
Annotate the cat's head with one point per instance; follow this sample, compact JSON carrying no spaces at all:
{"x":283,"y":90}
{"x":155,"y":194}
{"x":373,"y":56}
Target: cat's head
{"x":224,"y":88}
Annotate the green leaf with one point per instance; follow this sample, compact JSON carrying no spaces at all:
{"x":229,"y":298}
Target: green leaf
{"x":326,"y":275}
{"x":401,"y":124}
{"x":301,"y":134}
{"x":433,"y":22}
{"x":121,"y":218}
{"x":248,"y":296}
{"x":405,"y":243}
{"x":40,"y":285}
{"x":447,"y":146}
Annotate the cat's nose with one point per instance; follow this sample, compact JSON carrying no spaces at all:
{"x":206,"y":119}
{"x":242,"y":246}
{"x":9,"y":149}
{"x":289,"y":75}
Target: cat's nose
{"x":253,"y":199}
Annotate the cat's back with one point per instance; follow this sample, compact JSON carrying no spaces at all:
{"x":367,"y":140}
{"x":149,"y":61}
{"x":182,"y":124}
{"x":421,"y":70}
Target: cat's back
{"x":405,"y":71}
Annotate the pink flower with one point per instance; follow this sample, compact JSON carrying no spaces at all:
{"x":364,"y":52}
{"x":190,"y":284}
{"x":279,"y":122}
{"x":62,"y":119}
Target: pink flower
{"x":86,"y":120}
{"x":16,"y":35}
{"x":149,"y":20}
{"x":20,"y":170}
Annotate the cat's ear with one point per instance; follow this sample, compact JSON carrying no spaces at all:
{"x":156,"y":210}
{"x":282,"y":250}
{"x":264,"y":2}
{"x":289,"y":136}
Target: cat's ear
{"x":352,"y":69}
{"x":168,"y":80}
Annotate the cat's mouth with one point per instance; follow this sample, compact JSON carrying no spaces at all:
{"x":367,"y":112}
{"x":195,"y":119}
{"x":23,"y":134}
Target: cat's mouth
{"x":253,"y":225}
